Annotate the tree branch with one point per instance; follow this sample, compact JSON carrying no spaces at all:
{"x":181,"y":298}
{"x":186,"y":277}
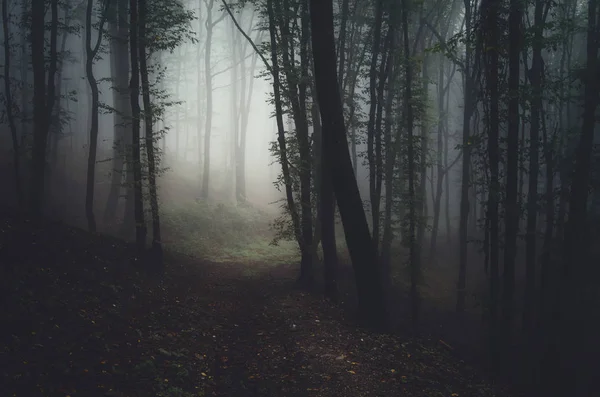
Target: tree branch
{"x":237,"y":25}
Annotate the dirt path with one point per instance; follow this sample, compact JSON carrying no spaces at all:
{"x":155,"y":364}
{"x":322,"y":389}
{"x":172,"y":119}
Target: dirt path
{"x":80,"y":321}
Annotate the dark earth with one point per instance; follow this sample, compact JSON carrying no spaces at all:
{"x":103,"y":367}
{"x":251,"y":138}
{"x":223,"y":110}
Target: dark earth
{"x":80,"y":318}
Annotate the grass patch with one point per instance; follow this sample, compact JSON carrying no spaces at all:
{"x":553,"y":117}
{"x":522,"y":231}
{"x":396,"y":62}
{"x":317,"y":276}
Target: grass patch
{"x":224,"y":233}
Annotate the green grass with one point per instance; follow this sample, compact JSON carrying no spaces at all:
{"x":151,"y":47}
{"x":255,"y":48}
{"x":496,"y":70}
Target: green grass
{"x":225,"y":233}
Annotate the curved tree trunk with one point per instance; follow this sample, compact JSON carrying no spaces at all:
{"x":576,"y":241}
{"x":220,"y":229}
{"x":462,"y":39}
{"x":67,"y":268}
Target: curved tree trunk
{"x":89,"y":70}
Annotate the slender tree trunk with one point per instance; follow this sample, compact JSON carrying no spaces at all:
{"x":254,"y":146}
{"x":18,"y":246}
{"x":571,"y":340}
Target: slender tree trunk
{"x":390,"y":161}
{"x":512,"y":161}
{"x":371,"y":125}
{"x":209,"y":98}
{"x":91,"y":53}
{"x":537,"y":73}
{"x":151,"y":153}
{"x":491,"y":43}
{"x":578,"y":318}
{"x":140,"y":225}
{"x":297,"y":97}
{"x":468,"y":108}
{"x":8,"y":99}
{"x":413,"y":248}
{"x":122,"y":117}
{"x":422,"y":217}
{"x":43,"y":98}
{"x":437,"y":201}
{"x":283,"y":159}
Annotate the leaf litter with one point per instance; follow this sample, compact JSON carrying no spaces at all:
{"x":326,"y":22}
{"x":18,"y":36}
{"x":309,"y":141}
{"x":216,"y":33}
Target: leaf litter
{"x":80,"y":320}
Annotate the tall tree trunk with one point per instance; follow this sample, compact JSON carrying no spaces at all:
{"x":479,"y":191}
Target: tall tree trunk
{"x":468,"y":108}
{"x":491,"y":42}
{"x":43,"y":98}
{"x":198,"y":94}
{"x":119,"y":58}
{"x":297,"y":97}
{"x":421,"y":196}
{"x":512,"y":161}
{"x":8,"y":99}
{"x":412,"y":237}
{"x":283,"y":156}
{"x":579,"y":324}
{"x":91,"y":53}
{"x":245,"y":102}
{"x":151,"y":153}
{"x":140,"y":225}
{"x":537,"y":73}
{"x":371,"y":125}
{"x":390,"y":162}
{"x":437,"y":201}
{"x":209,"y":24}
{"x":327,"y":213}
{"x":234,"y":132}
{"x":371,"y":303}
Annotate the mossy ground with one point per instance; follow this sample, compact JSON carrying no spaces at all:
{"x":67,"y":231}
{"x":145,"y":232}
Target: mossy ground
{"x":225,"y":233}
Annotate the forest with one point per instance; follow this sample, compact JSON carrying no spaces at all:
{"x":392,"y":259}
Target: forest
{"x":300,"y":198}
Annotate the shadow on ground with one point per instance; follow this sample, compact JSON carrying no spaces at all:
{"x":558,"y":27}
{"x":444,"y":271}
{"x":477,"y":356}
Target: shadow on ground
{"x":81,"y":319}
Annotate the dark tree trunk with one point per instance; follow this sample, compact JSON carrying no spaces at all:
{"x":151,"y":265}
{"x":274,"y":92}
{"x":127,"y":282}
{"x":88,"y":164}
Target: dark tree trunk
{"x":91,"y":53}
{"x":512,"y":162}
{"x":327,"y":213}
{"x":371,"y":125}
{"x":210,"y":24}
{"x":412,"y":237}
{"x":157,"y":252}
{"x":537,"y":73}
{"x":43,"y":98}
{"x":491,"y":38}
{"x":297,"y":97}
{"x":122,"y":131}
{"x":579,"y":326}
{"x":9,"y":106}
{"x":358,"y":239}
{"x":138,"y":200}
{"x":468,"y":108}
{"x":283,"y":157}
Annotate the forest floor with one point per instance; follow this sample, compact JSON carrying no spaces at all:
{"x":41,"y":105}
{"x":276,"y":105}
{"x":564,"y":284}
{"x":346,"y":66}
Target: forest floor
{"x":80,"y":320}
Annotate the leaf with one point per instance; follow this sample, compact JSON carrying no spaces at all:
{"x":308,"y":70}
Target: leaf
{"x":352,"y":372}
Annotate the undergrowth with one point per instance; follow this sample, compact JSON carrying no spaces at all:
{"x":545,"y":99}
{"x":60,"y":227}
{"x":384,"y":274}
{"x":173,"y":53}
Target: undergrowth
{"x":224,"y":233}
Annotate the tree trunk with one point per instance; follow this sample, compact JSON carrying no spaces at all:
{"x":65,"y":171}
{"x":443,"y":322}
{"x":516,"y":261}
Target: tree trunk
{"x":327,"y":213}
{"x":412,"y":238}
{"x":91,"y":53}
{"x":537,"y":73}
{"x":151,"y":153}
{"x":297,"y":97}
{"x":140,"y":225}
{"x":283,"y":159}
{"x":512,"y":161}
{"x":358,"y":239}
{"x":43,"y":98}
{"x":9,"y":106}
{"x":468,"y":108}
{"x":371,"y":125}
{"x":209,"y":24}
{"x":122,"y":117}
{"x":491,"y":43}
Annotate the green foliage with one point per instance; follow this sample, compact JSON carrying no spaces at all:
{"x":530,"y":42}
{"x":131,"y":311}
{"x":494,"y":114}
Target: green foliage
{"x":169,"y":25}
